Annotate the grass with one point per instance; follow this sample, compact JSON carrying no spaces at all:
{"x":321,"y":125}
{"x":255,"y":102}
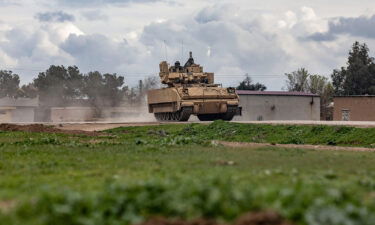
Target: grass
{"x":258,"y":133}
{"x":174,"y":171}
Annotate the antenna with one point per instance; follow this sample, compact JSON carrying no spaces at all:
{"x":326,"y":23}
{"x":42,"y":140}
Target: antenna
{"x":166,"y":52}
{"x":182,"y":51}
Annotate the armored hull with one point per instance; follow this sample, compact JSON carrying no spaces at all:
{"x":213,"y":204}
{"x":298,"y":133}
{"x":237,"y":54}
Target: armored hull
{"x":208,"y":103}
{"x":191,"y":92}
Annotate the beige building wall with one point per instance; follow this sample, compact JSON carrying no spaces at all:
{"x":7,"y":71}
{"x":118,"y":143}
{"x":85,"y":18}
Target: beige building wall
{"x":354,"y":108}
{"x":6,"y":114}
{"x":278,"y":107}
{"x":23,"y":115}
{"x":14,"y":110}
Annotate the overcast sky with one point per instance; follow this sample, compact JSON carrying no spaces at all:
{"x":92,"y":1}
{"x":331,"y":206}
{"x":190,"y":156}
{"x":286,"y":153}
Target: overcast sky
{"x":264,"y":39}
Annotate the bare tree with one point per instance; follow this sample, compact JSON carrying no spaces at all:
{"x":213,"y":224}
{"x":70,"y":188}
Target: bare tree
{"x":297,"y":80}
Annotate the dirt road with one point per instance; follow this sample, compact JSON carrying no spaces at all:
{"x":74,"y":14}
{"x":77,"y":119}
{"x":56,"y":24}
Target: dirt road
{"x":308,"y":147}
{"x":99,"y":126}
{"x":104,"y":125}
{"x":306,"y":122}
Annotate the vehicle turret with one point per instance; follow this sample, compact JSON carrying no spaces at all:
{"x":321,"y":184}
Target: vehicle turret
{"x":189,"y":74}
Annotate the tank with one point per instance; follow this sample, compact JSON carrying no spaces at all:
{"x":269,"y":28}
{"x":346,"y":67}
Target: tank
{"x":190,"y":91}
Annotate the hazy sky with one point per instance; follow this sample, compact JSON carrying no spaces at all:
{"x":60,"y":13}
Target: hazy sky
{"x":264,"y":39}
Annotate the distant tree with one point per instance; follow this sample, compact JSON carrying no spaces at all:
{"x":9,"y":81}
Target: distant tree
{"x":9,"y":84}
{"x":316,"y":84}
{"x":338,"y":81}
{"x":326,"y":99}
{"x":74,"y":83}
{"x":113,"y":88}
{"x":151,"y":82}
{"x":247,"y":84}
{"x":302,"y":81}
{"x":93,"y":87}
{"x":358,"y":78}
{"x":58,"y":85}
{"x":104,"y":90}
{"x":297,"y":80}
{"x":28,"y":91}
{"x":137,"y":95}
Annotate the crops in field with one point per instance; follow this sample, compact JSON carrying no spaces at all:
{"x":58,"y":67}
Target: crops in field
{"x":127,"y":175}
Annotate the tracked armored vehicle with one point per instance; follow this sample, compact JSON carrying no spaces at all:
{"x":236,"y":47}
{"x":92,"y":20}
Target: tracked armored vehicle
{"x":191,"y":91}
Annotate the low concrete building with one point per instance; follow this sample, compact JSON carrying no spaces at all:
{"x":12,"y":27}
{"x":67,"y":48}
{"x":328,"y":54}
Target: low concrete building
{"x":14,"y":110}
{"x":278,"y":105}
{"x":354,"y":108}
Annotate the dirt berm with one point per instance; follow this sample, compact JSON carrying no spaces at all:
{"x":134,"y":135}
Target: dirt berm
{"x":45,"y":129}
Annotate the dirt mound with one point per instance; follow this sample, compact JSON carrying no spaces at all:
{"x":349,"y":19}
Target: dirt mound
{"x":44,"y":129}
{"x":259,"y":218}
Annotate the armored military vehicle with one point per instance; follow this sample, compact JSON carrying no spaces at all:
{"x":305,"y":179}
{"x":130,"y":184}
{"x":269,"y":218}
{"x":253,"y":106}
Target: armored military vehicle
{"x":191,"y":91}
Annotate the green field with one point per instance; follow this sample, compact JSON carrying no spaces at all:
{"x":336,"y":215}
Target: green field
{"x":130,"y":174}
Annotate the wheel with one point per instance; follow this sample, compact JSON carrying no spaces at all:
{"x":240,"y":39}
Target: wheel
{"x":227,"y":116}
{"x":158,"y":116}
{"x":231,"y":112}
{"x":182,"y":115}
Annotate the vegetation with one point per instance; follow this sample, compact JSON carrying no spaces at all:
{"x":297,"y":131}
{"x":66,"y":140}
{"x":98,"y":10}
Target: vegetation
{"x":9,"y":84}
{"x":302,"y":81}
{"x":129,"y":174}
{"x":58,"y":85}
{"x":258,"y":133}
{"x":358,"y":78}
{"x":103,"y":90}
{"x":297,"y":80}
{"x":247,"y":84}
{"x":64,"y":86}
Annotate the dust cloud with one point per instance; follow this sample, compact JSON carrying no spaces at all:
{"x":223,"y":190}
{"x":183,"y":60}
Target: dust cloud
{"x":130,"y":115}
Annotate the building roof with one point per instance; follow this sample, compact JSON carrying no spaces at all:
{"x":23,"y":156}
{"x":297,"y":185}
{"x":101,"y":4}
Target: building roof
{"x":276,"y":93}
{"x":351,"y":96}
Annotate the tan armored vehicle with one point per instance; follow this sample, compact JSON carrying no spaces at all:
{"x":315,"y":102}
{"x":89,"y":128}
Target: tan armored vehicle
{"x":191,"y":91}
